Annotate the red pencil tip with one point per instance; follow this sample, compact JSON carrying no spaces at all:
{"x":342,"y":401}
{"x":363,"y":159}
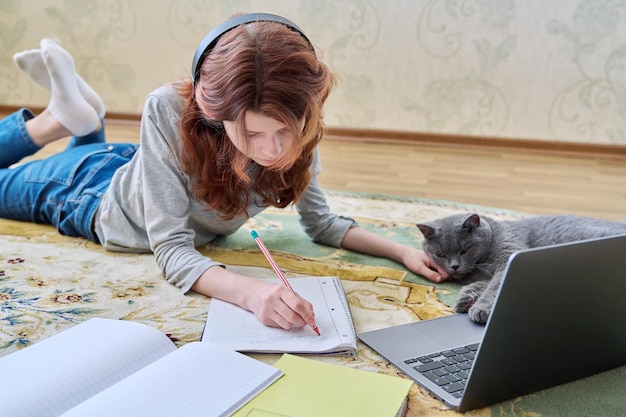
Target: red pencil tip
{"x":316,"y":330}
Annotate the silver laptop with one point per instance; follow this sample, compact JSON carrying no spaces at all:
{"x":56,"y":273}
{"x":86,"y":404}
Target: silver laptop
{"x":559,"y":316}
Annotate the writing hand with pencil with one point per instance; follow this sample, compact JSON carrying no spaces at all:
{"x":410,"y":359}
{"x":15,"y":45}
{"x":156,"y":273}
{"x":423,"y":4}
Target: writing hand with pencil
{"x":289,"y":309}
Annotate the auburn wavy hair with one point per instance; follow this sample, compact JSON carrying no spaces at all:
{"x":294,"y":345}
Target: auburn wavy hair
{"x":267,"y":68}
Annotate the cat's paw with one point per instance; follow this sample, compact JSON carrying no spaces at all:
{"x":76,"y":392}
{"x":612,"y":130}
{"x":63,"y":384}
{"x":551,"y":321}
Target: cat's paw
{"x":479,"y":313}
{"x":464,"y":303}
{"x":466,"y":299}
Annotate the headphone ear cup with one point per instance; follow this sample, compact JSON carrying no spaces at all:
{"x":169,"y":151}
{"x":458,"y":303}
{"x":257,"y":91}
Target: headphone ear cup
{"x":213,"y":124}
{"x":214,"y":35}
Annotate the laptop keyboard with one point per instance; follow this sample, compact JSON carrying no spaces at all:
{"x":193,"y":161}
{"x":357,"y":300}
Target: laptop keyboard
{"x":449,"y":368}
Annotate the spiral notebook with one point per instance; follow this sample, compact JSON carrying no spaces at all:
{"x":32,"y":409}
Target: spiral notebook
{"x":238,"y":329}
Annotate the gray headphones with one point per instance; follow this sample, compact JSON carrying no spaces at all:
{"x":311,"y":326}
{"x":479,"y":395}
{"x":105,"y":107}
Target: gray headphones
{"x":213,"y":36}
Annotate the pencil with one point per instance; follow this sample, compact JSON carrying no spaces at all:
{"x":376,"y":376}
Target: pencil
{"x":276,"y":269}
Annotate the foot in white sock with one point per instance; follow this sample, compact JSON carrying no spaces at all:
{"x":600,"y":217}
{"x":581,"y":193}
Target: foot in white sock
{"x":67,"y":104}
{"x":31,"y":63}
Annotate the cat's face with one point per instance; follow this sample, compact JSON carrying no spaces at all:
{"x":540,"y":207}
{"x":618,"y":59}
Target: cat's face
{"x":457,"y":243}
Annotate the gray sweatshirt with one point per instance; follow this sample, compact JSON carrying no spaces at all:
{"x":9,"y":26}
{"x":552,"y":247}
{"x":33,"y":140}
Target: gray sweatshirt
{"x":149,"y":206}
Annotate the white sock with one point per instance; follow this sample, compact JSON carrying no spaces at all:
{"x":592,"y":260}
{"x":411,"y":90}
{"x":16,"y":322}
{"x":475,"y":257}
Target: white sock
{"x":31,"y":63}
{"x":67,"y":104}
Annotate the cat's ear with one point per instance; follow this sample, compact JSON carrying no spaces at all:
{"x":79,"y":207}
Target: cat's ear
{"x":471,"y":222}
{"x":427,"y":231}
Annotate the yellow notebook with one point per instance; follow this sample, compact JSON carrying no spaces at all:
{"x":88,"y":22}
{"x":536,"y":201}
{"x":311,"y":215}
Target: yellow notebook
{"x":311,"y":388}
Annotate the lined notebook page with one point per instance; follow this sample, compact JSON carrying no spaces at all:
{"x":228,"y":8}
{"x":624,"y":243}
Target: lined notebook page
{"x":235,"y":328}
{"x":54,"y":375}
{"x":199,"y":379}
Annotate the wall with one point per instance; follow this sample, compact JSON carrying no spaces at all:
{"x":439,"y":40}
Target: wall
{"x":526,"y":69}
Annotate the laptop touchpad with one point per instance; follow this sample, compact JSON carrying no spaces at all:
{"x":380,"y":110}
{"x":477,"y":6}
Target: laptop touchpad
{"x":452,"y":331}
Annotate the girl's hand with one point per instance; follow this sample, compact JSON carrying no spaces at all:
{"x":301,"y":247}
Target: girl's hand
{"x":277,"y":306}
{"x":416,"y":260}
{"x":419,"y":262}
{"x":274,"y":304}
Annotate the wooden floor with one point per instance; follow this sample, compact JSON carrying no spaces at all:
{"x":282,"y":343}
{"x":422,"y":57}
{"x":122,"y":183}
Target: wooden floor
{"x":537,"y":182}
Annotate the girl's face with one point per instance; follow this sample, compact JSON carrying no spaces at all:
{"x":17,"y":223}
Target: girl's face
{"x":270,"y":140}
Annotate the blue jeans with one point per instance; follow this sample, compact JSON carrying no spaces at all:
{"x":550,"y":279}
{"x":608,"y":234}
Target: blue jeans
{"x":63,"y":190}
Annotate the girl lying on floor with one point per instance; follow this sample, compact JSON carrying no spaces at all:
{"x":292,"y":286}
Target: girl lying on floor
{"x":215,"y":150}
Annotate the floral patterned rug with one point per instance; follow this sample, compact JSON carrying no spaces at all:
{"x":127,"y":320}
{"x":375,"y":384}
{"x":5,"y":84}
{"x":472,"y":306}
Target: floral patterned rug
{"x":49,"y":283}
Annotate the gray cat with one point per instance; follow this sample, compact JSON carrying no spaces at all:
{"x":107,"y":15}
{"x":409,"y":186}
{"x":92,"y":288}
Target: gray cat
{"x":476,"y":250}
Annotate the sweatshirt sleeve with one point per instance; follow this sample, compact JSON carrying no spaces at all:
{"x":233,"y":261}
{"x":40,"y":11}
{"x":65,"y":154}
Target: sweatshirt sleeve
{"x":167,"y":201}
{"x":318,"y":222}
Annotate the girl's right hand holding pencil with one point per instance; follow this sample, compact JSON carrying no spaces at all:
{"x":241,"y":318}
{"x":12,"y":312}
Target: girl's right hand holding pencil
{"x":275,"y":305}
{"x":278,"y":306}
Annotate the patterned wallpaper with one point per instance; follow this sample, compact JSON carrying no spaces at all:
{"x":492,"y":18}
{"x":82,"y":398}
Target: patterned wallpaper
{"x":527,"y":69}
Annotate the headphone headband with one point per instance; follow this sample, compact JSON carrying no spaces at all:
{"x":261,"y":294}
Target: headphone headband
{"x":213,"y":36}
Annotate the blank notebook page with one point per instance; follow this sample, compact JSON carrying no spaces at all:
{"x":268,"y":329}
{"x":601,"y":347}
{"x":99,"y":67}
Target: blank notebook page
{"x":73,"y":365}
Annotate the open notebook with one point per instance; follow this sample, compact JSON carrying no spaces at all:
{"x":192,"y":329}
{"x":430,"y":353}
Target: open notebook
{"x":235,"y":328}
{"x":105,"y":367}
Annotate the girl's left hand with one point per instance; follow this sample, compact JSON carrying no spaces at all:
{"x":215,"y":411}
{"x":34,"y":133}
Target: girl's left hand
{"x":420,"y":263}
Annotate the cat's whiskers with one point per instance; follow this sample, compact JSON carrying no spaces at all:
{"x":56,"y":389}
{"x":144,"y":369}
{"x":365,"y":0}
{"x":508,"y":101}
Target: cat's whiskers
{"x":483,"y":267}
